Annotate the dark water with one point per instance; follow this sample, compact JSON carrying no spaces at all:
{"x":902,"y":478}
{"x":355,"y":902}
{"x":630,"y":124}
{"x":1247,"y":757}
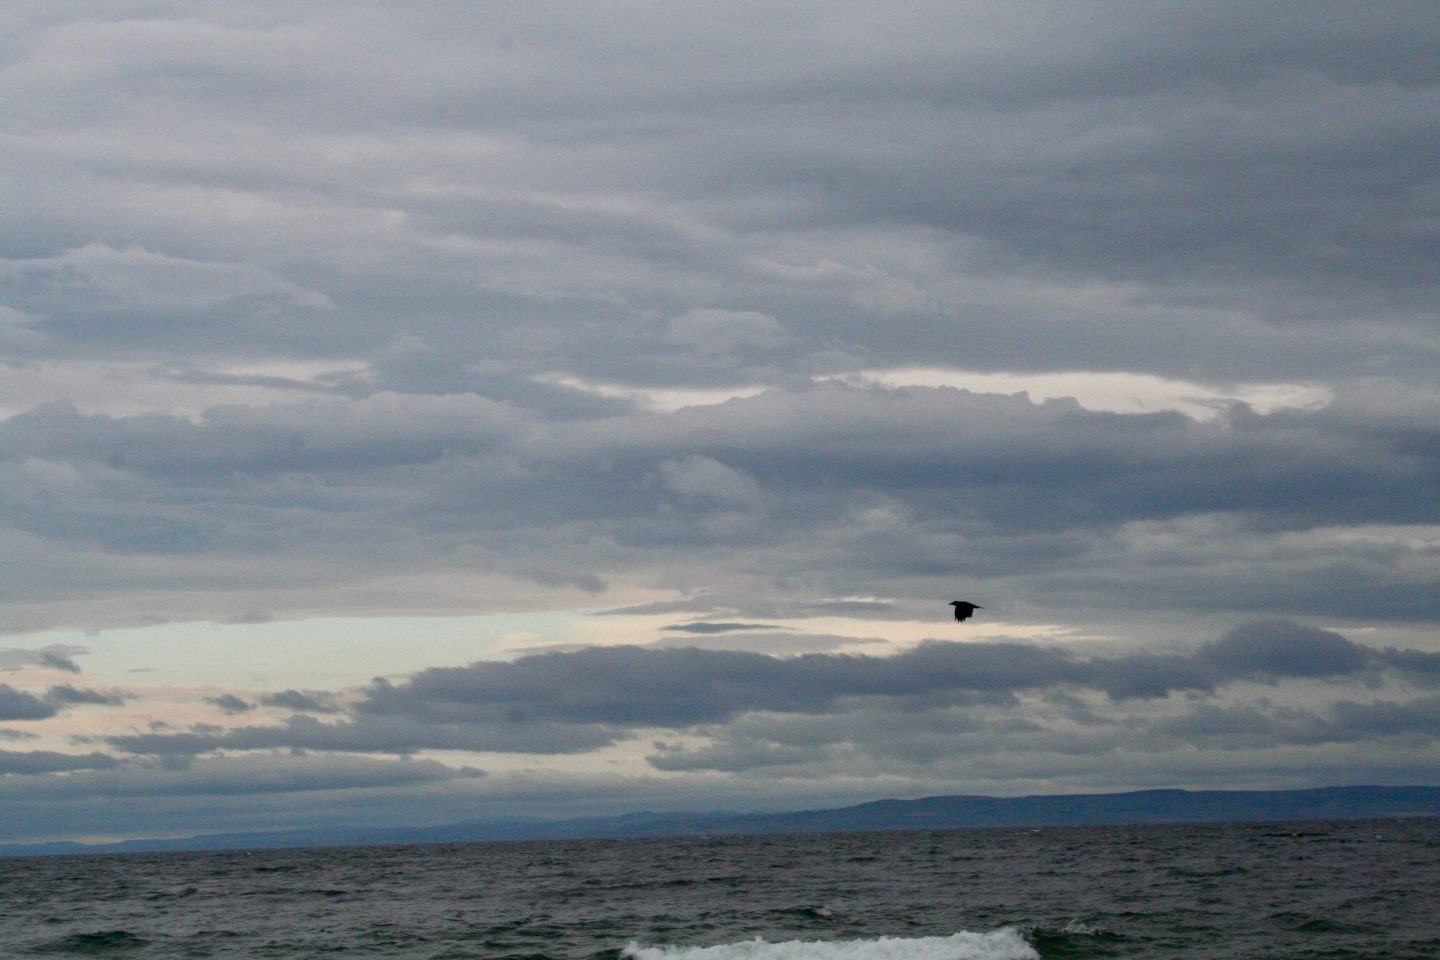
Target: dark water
{"x":1238,"y":892}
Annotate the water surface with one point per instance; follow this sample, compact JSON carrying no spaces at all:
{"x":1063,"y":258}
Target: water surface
{"x":1319,"y":891}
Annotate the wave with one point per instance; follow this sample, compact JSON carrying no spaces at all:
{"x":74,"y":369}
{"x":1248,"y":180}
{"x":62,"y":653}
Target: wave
{"x":1003,"y":944}
{"x":99,"y":943}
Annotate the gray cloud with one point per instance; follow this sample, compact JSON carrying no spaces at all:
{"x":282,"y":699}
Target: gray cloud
{"x":328,"y":310}
{"x":230,"y":704}
{"x":741,"y":153}
{"x":67,"y":694}
{"x":304,"y":701}
{"x":769,"y":246}
{"x":580,"y":700}
{"x":58,"y":662}
{"x":35,"y":762}
{"x":19,"y":705}
{"x":55,"y":656}
{"x":688,"y":686}
{"x":1281,"y":648}
{"x":1418,"y":665}
{"x":241,"y":776}
{"x":679,"y":687}
{"x":511,"y":733}
{"x":1419,"y":718}
{"x":859,"y":487}
{"x":1027,"y":737}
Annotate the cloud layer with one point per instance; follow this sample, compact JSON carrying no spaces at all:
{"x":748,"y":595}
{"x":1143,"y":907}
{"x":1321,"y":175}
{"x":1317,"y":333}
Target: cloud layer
{"x":359,"y":310}
{"x":571,"y":702}
{"x":1250,"y":704}
{"x":435,"y":309}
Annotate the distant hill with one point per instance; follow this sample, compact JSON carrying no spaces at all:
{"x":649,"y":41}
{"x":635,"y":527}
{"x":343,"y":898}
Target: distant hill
{"x":929,"y":813}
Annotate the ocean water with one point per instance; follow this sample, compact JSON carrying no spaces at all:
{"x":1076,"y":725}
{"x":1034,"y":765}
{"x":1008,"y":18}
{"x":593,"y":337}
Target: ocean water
{"x":1223,"y":892}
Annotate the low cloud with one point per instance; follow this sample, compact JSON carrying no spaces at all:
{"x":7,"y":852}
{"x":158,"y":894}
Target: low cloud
{"x":1270,"y":649}
{"x":67,"y":695}
{"x":302,"y":701}
{"x":512,"y":733}
{"x":1418,"y":666}
{"x":55,"y":657}
{"x":240,"y":776}
{"x":827,"y":490}
{"x":576,"y":701}
{"x":19,"y":705}
{"x":33,"y":762}
{"x":230,"y":704}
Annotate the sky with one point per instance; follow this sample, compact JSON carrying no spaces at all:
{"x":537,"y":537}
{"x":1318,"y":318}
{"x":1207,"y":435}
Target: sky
{"x":413,"y":413}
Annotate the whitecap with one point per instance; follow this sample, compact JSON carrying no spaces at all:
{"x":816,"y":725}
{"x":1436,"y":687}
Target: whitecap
{"x":1003,"y":944}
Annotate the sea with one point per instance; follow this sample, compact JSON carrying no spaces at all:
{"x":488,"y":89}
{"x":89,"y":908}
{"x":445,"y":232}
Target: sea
{"x":1258,"y":891}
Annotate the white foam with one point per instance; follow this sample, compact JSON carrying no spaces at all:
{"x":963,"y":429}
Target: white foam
{"x":1004,"y":944}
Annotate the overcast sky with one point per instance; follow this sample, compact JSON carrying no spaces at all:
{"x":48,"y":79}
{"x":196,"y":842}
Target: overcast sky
{"x":424,"y":412}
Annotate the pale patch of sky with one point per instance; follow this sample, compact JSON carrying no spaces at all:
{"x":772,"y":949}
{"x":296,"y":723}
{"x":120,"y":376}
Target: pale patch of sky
{"x":659,"y":399}
{"x":322,"y":653}
{"x":1114,"y":391}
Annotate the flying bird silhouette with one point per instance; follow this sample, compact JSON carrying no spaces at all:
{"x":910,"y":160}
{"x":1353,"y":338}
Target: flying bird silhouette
{"x":964,"y":609}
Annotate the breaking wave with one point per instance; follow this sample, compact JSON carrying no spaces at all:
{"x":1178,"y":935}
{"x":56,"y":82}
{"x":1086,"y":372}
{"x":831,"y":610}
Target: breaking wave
{"x":1004,"y":944}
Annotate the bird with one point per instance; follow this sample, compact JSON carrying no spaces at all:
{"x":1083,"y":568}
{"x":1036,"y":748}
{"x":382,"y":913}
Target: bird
{"x":964,"y":609}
